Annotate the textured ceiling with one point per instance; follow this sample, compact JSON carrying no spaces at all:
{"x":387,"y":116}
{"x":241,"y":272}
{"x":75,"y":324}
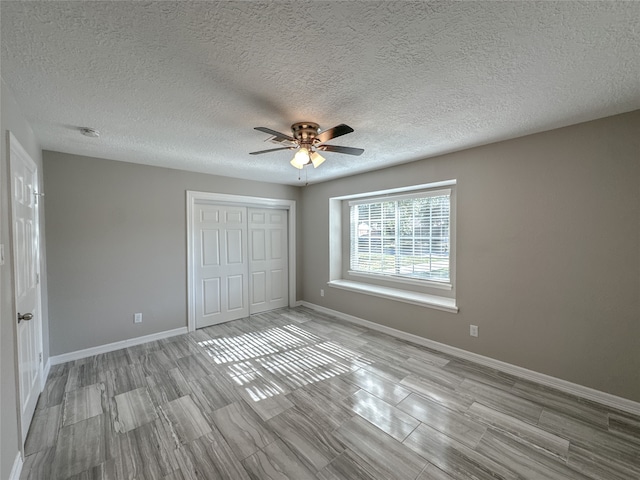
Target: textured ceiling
{"x":182,"y":84}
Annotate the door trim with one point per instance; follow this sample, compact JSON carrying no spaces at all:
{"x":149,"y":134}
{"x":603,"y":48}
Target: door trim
{"x":15,"y":149}
{"x":195,"y":197}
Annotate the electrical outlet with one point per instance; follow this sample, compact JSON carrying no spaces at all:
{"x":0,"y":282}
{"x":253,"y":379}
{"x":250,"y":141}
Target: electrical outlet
{"x":137,"y":318}
{"x":322,"y":292}
{"x":473,"y":330}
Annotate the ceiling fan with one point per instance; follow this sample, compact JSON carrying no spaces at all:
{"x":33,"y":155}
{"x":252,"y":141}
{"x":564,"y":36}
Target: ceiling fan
{"x":307,"y":138}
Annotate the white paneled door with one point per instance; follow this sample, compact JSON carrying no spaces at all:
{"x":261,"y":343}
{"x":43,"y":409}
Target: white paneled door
{"x":240,"y":261}
{"x":268,"y":259}
{"x":221,"y":276}
{"x":26,"y":258}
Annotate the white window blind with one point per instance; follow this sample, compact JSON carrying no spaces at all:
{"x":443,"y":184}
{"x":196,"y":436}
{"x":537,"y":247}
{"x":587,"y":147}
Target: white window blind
{"x":404,"y":236}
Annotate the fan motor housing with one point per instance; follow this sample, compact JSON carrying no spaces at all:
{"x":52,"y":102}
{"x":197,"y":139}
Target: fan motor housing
{"x":305,"y":132}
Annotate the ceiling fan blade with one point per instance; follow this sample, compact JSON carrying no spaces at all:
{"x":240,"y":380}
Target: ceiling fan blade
{"x":274,"y":133}
{"x":272,"y":150}
{"x":334,"y":132}
{"x":337,"y":149}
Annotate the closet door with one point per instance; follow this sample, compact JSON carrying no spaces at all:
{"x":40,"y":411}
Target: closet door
{"x":220,"y":251}
{"x":268,"y":259}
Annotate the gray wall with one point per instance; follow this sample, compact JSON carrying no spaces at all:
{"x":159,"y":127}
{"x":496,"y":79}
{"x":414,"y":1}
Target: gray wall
{"x":548,"y":252}
{"x":12,"y":119}
{"x":116,"y":236}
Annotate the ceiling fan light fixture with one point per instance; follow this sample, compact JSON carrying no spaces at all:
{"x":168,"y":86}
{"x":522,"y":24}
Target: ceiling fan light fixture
{"x":301,"y":158}
{"x":316,"y":159}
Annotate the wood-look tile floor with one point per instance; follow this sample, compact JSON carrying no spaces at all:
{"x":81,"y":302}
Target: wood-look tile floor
{"x":296,"y":394}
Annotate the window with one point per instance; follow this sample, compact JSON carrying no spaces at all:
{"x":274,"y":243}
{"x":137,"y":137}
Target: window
{"x":405,"y":236}
{"x":397,"y":244}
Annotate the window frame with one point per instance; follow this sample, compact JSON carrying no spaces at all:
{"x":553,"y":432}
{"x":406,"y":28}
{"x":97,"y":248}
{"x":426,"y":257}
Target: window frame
{"x":444,"y":284}
{"x":428,"y":293}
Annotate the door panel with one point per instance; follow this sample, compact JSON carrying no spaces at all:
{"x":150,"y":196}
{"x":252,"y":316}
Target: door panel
{"x":258,"y":287}
{"x":235,"y":246}
{"x":235,"y":215}
{"x":210,"y":216}
{"x":277,"y":284}
{"x":211,"y":289}
{"x":210,"y":248}
{"x":258,"y":243}
{"x":221,"y":275}
{"x":276,"y":244}
{"x":26,"y":258}
{"x":269,"y":253}
{"x":236,"y":293}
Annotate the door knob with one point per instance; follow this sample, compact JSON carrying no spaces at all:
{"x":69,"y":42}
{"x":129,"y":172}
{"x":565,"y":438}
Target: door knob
{"x":26,"y":316}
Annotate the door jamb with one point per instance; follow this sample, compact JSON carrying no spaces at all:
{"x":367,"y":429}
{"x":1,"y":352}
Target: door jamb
{"x":194,"y":197}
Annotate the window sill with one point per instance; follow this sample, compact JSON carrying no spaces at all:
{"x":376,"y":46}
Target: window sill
{"x":422,"y":299}
{"x":399,"y":279}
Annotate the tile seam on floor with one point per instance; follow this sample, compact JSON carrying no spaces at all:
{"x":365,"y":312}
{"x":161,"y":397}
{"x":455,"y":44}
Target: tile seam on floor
{"x":582,"y":391}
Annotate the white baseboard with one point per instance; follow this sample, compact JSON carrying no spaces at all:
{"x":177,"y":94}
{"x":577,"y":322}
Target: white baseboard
{"x":541,"y":378}
{"x":110,"y":347}
{"x":16,"y":470}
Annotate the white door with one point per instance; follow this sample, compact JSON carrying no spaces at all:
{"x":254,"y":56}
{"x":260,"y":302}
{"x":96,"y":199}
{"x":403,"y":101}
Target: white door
{"x":268,"y":254}
{"x":26,"y":258}
{"x":220,"y":273}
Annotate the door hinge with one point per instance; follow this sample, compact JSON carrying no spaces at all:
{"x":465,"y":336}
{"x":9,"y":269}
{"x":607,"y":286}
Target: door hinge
{"x":40,"y":357}
{"x":37,"y":279}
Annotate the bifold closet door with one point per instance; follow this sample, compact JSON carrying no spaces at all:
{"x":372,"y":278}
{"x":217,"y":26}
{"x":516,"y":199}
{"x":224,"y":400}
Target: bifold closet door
{"x":268,"y":259}
{"x":221,"y":264}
